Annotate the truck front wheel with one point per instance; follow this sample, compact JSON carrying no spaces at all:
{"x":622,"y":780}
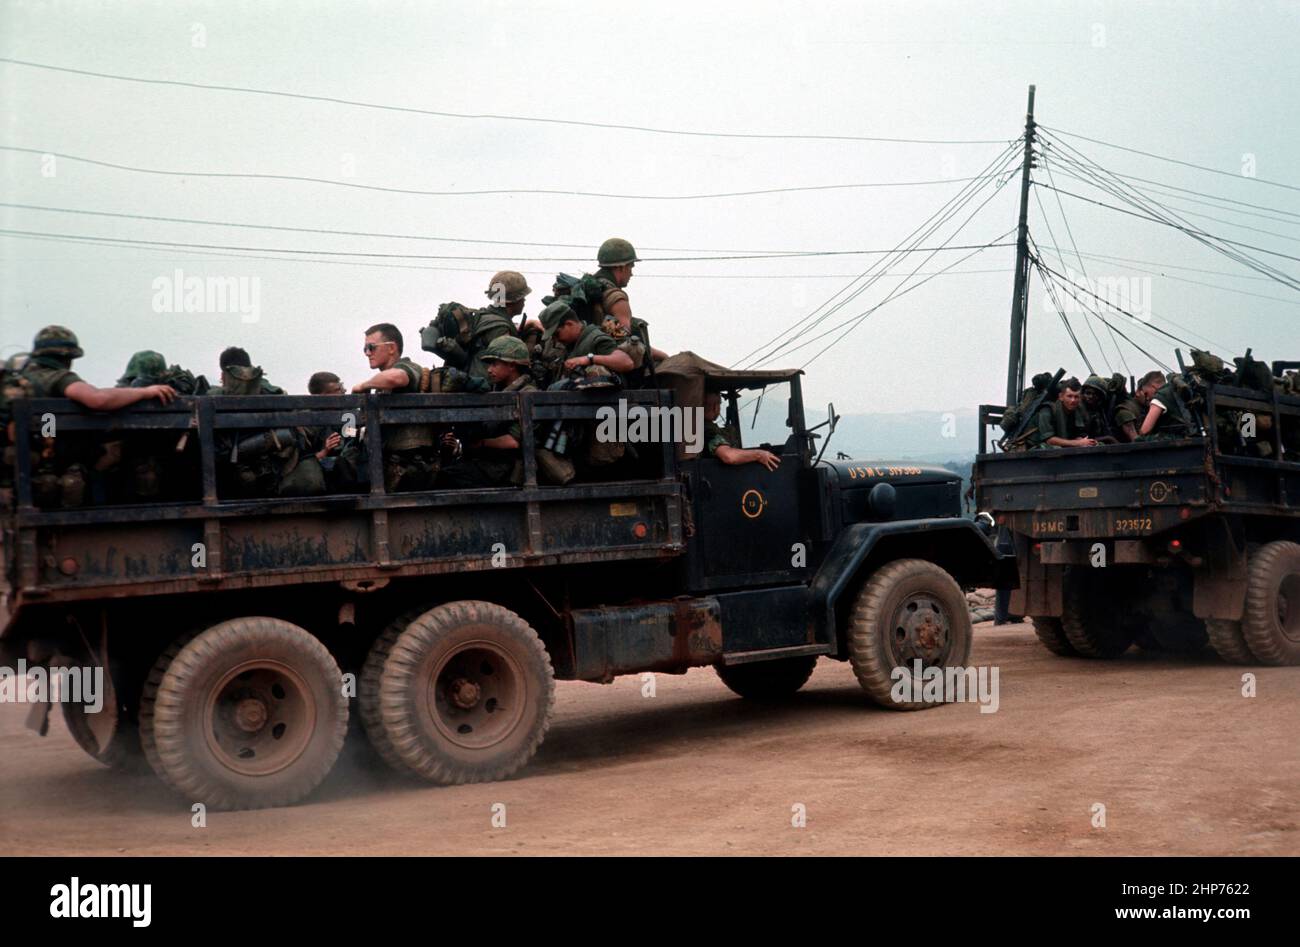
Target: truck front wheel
{"x":466,"y":693}
{"x":767,"y":680}
{"x":1271,"y":624}
{"x":249,"y":714}
{"x":910,"y":611}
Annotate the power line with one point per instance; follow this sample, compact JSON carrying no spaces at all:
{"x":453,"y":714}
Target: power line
{"x":492,"y":116}
{"x":919,"y":233}
{"x":432,"y":256}
{"x":1158,"y":220}
{"x":477,"y":193}
{"x":237,"y":255}
{"x":1186,"y":164}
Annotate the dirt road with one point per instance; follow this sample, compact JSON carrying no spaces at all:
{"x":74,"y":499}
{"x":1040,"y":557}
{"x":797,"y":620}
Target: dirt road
{"x":1181,"y":760}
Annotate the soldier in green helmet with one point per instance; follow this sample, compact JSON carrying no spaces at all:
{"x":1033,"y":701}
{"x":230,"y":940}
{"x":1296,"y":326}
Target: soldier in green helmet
{"x":493,"y":458}
{"x":460,"y":335}
{"x":1064,"y":422}
{"x":154,"y":465}
{"x":1130,"y":413}
{"x":613,"y":310}
{"x":1096,"y":394}
{"x":61,"y":474}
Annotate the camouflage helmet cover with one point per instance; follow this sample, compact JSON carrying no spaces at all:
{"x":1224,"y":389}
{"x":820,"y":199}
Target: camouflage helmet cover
{"x":616,"y":252}
{"x":507,"y":286}
{"x":507,"y":348}
{"x":57,"y":340}
{"x":146,"y":364}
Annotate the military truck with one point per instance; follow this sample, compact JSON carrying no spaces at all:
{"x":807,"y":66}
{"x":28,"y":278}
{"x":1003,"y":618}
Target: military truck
{"x":240,"y":634}
{"x":1167,"y":544}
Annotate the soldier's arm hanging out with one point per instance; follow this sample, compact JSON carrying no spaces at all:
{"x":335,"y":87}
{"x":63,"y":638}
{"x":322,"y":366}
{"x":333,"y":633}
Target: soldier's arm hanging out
{"x":111,"y":399}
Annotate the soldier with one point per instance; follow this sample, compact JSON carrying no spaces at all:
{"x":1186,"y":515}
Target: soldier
{"x":613,"y":310}
{"x":494,"y":459}
{"x":1096,"y":399}
{"x":722,"y":443}
{"x":413,"y":453}
{"x":1166,"y":416}
{"x":60,"y":475}
{"x":1132,"y":412}
{"x":240,"y":377}
{"x":1064,"y":423}
{"x":460,"y":335}
{"x":157,"y":465}
{"x":577,"y":345}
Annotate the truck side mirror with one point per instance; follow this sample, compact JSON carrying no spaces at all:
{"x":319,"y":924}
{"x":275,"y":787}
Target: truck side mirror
{"x":832,"y":418}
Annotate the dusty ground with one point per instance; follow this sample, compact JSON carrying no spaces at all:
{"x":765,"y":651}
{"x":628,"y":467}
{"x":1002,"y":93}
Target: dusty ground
{"x":1182,"y":761}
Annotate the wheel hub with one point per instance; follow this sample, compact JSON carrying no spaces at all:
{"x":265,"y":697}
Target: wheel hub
{"x":465,"y":694}
{"x":921,"y":630}
{"x":476,"y":695}
{"x":250,"y":715}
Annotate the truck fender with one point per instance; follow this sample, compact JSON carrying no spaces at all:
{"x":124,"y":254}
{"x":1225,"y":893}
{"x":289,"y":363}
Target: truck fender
{"x":958,"y":537}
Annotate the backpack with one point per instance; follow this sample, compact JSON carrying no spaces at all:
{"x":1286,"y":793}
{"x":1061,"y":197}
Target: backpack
{"x":583,"y":294}
{"x":1253,"y":374}
{"x":1015,"y":414}
{"x":13,"y":385}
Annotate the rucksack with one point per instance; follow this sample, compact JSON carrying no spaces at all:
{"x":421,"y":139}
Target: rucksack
{"x":1015,"y":414}
{"x":584,"y":294}
{"x":1253,"y":374}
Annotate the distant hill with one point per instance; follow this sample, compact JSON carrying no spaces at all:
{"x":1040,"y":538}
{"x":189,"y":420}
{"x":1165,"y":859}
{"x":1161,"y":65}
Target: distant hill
{"x":929,"y":436}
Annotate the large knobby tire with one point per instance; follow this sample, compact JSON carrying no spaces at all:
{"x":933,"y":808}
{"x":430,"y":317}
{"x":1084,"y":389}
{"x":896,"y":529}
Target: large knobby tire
{"x":369,"y":708}
{"x":249,"y":714}
{"x":1271,"y":623}
{"x":1052,"y":635}
{"x":121,"y":750}
{"x":768,"y":680}
{"x":149,"y":697}
{"x":1226,"y":639}
{"x":909,"y":610}
{"x":1090,"y":634}
{"x":467,"y":692}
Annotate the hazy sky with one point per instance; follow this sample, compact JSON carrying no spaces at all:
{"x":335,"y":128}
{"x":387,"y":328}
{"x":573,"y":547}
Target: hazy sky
{"x":1209,"y":83}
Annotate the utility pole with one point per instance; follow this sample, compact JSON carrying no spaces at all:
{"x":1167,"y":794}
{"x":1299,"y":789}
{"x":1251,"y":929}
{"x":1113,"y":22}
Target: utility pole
{"x":1020,"y":295}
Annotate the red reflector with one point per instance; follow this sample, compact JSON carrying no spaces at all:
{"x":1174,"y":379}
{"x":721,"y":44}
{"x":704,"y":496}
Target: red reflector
{"x":1038,"y":547}
{"x":1002,"y":518}
{"x":1185,"y":513}
{"x":639,"y":530}
{"x":1175,"y":545}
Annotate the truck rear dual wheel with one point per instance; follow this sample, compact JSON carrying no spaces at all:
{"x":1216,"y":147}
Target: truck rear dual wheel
{"x":768,"y":680}
{"x":368,"y":707}
{"x":119,"y":748}
{"x":1090,"y":633}
{"x":1271,"y":622}
{"x":910,"y":610}
{"x":1052,"y":635}
{"x":1226,"y":639}
{"x":248,"y":714}
{"x":466,"y":693}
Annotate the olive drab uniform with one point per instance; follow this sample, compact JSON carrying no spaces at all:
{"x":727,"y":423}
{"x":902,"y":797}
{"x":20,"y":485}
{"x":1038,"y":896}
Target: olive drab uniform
{"x":492,"y":323}
{"x":60,"y":466}
{"x":1174,"y":420}
{"x":717,"y":435}
{"x":1129,"y":411}
{"x":1055,"y":421}
{"x":414,"y":453}
{"x":488,"y":466}
{"x":153,"y":466}
{"x":633,"y":339}
{"x":266,"y":463}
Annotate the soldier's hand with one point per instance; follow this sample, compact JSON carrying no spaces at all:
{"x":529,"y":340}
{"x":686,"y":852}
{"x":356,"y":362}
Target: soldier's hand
{"x":333,"y":441}
{"x":572,"y":364}
{"x":768,"y":459}
{"x":164,"y":393}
